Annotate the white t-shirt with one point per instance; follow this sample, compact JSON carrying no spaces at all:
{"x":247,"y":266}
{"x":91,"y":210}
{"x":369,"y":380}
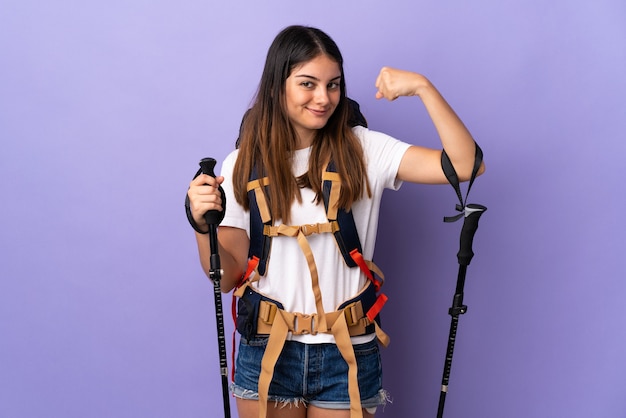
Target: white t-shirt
{"x":288,"y":278}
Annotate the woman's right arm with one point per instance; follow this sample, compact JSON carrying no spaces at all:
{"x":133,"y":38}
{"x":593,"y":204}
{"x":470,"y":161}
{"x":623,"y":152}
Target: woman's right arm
{"x":233,"y":242}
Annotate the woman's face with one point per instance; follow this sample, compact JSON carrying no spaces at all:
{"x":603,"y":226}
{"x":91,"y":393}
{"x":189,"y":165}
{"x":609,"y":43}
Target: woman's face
{"x":312,"y":93}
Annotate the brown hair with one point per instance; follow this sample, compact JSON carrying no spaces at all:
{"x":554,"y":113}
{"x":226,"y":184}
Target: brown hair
{"x":268,"y":139}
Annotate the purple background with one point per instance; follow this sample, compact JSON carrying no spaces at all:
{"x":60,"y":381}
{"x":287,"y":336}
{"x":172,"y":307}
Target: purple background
{"x":106,"y":108}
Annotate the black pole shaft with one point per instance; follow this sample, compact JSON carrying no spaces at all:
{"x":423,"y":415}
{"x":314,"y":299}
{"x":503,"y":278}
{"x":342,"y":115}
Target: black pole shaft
{"x":213,"y":218}
{"x":457,"y":309}
{"x":447,"y":366}
{"x":216,"y":275}
{"x":464,"y":256}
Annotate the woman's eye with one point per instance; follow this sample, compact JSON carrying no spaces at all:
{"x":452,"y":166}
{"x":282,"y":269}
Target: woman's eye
{"x":333,"y":86}
{"x":306,"y":84}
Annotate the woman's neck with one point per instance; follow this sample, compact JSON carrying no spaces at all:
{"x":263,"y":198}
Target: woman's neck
{"x":305,"y":139}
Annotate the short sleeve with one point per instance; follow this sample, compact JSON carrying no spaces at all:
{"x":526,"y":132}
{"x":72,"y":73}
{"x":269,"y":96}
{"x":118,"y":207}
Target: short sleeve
{"x":235,"y":215}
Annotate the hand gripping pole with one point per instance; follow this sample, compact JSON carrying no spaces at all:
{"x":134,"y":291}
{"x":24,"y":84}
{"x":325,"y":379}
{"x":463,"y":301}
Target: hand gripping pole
{"x":213,"y":218}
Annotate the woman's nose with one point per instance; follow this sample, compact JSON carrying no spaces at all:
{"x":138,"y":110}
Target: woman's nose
{"x":321,"y":95}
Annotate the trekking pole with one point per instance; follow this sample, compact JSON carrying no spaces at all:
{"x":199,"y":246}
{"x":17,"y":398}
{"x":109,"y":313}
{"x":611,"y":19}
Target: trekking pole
{"x":471,"y":214}
{"x":213,"y":218}
{"x":465,"y":254}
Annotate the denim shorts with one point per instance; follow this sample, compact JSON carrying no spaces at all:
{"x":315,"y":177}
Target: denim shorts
{"x":314,"y":374}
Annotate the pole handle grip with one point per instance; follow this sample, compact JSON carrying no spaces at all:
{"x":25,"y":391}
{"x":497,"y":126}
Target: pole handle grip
{"x":213,"y":217}
{"x":470,"y":225}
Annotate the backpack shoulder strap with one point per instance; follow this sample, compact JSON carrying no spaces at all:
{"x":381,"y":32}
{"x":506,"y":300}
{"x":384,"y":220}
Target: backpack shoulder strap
{"x":346,"y":236}
{"x":260,"y":243}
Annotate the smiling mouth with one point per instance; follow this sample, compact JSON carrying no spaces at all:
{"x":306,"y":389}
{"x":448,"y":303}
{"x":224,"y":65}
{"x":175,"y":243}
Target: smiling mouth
{"x":316,"y":112}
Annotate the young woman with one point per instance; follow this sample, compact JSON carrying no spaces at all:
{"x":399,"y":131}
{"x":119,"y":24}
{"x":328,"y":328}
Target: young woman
{"x":305,"y":356}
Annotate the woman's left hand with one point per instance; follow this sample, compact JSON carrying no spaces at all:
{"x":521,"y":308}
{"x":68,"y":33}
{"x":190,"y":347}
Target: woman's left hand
{"x":393,"y":83}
